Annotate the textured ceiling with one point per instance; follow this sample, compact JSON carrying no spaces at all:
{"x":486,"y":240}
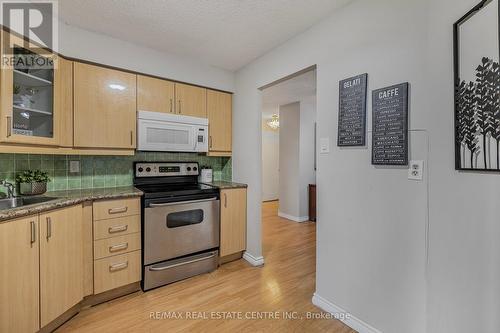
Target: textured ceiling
{"x":224,"y":33}
{"x":286,"y":92}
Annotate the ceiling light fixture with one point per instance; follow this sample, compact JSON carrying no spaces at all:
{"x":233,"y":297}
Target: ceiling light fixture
{"x":274,"y":123}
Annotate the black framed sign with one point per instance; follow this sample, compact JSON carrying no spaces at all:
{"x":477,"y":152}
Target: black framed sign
{"x":352,"y":111}
{"x":390,"y":125}
{"x":477,"y":88}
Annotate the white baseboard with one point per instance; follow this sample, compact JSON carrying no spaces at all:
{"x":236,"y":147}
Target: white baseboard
{"x":293,"y":218}
{"x":254,"y":261}
{"x":351,"y":321}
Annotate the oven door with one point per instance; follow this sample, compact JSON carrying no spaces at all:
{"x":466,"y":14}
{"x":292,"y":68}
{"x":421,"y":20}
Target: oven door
{"x":175,"y":229}
{"x":166,"y":136}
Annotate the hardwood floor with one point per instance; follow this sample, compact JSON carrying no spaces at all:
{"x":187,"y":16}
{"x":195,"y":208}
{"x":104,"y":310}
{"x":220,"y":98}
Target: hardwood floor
{"x":285,"y":283}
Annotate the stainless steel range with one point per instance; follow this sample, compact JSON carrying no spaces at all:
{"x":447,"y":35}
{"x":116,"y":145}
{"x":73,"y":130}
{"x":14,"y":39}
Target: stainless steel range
{"x":180,"y":222}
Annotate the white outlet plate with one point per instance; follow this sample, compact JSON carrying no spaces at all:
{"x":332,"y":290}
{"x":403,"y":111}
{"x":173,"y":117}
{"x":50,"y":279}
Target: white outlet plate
{"x":324,"y":145}
{"x":416,"y":170}
{"x":74,"y":166}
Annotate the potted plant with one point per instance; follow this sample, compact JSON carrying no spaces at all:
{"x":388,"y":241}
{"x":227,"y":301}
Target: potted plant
{"x":32,"y":182}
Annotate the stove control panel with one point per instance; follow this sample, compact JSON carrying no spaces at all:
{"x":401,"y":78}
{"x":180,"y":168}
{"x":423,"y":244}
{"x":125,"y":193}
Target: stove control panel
{"x":166,"y":169}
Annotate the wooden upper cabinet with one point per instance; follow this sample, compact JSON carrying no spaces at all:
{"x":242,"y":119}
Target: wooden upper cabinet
{"x":155,"y":95}
{"x":233,"y":221}
{"x":104,"y":107}
{"x":191,"y":100}
{"x":61,"y":262}
{"x":63,"y":102}
{"x":219,"y":110}
{"x":19,"y":276}
{"x":27,"y":87}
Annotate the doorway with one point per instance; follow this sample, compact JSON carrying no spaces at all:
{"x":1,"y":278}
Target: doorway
{"x":289,"y":147}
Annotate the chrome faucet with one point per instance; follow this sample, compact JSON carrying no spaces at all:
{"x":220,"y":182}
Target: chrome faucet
{"x":9,"y":187}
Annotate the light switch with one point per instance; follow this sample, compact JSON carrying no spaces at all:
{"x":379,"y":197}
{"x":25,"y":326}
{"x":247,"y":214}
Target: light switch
{"x":74,"y":166}
{"x":416,"y":170}
{"x":324,"y":145}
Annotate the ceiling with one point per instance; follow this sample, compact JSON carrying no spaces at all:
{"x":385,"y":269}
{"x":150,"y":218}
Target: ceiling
{"x":289,"y":91}
{"x":224,"y":33}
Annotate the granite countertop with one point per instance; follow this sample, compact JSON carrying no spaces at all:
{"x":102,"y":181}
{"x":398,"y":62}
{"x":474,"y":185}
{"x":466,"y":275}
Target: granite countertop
{"x":68,"y":198}
{"x":221,"y":184}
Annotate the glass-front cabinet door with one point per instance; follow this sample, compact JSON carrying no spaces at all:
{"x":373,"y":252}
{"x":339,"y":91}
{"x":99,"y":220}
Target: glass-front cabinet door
{"x":27,"y":93}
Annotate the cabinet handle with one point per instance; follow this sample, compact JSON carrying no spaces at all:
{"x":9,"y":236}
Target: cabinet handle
{"x":171,"y":105}
{"x":9,"y":126}
{"x":117,"y":210}
{"x":225,"y":200}
{"x":117,"y":267}
{"x":116,"y":248}
{"x":210,"y":141}
{"x":116,"y":229}
{"x":49,"y":228}
{"x":131,"y":138}
{"x":180,"y":107}
{"x":33,"y":232}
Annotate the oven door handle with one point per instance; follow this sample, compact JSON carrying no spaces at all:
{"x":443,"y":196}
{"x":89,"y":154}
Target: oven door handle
{"x":152,"y":205}
{"x":162,"y":268}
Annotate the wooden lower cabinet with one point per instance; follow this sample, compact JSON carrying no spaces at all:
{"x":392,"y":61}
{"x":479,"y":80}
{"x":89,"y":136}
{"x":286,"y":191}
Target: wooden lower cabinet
{"x":50,"y":262}
{"x":117,"y":227}
{"x":88,"y":249}
{"x":19,"y":275}
{"x":117,"y":271}
{"x":233,"y":220}
{"x":110,"y":209}
{"x":61,"y":262}
{"x":117,"y":243}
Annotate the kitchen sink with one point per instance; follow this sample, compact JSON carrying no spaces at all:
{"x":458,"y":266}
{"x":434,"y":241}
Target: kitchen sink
{"x":22,"y":201}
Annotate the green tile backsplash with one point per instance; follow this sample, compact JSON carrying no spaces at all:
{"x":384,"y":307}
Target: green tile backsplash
{"x":100,"y":171}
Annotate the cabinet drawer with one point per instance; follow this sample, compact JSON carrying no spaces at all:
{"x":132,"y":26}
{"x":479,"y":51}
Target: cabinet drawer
{"x":178,"y":269}
{"x":117,"y":245}
{"x":117,"y":271}
{"x":116,"y":208}
{"x":117,"y":227}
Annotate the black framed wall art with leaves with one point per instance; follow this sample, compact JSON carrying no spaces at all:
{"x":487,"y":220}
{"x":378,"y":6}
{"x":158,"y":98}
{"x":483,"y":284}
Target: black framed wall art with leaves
{"x":477,"y":88}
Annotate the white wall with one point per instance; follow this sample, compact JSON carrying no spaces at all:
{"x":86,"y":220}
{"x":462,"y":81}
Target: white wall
{"x":464,"y":254}
{"x":83,"y":44}
{"x":270,"y":164}
{"x":371,"y":234}
{"x":306,"y":152}
{"x":289,"y":160}
{"x":373,"y":256}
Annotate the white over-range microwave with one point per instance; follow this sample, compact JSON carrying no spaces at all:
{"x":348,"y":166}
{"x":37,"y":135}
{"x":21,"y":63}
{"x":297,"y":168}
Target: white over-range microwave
{"x":169,"y":132}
